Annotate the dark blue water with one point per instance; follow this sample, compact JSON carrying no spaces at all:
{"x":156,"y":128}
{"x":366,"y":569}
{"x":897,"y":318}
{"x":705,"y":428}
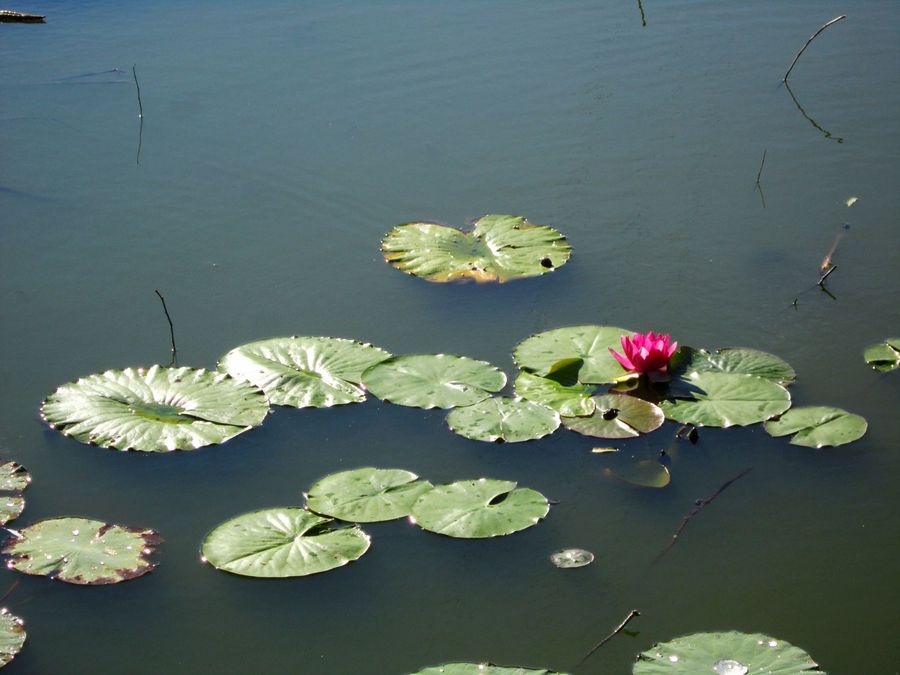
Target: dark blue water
{"x":280,"y":141}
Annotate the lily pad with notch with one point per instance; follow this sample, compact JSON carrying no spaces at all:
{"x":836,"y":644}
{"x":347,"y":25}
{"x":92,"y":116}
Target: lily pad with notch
{"x":499,"y":248}
{"x":714,"y":399}
{"x":476,"y":509}
{"x":541,"y":353}
{"x":155,"y":410}
{"x":304,"y":372}
{"x":689,"y":360}
{"x":366,"y":495}
{"x":433,"y":380}
{"x":730,"y":653}
{"x":818,"y":426}
{"x":82,"y":551}
{"x":617,"y":416}
{"x":885,"y":356}
{"x":282,"y":542}
{"x":569,"y":400}
{"x":12,"y":636}
{"x":482,"y":669}
{"x":503,"y":420}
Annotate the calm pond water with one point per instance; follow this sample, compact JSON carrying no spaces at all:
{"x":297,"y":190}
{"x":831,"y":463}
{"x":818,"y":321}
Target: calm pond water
{"x":282,"y":140}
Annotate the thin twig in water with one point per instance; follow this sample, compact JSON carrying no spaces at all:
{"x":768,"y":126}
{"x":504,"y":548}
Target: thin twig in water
{"x":171,"y":328}
{"x":699,"y":505}
{"x":140,"y":105}
{"x":813,"y":37}
{"x":140,"y":116}
{"x":759,"y":173}
{"x":9,"y":591}
{"x":821,"y":281}
{"x":641,"y":7}
{"x":633,"y":613}
{"x":824,"y":131}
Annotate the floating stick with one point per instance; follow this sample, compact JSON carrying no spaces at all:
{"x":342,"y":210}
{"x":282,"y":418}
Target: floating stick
{"x":171,"y":328}
{"x":759,"y":173}
{"x":818,"y":126}
{"x":813,"y":37}
{"x":699,"y":505}
{"x":641,"y":7}
{"x":633,"y":613}
{"x":140,"y":105}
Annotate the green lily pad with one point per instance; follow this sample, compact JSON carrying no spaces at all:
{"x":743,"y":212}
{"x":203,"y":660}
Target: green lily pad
{"x":617,"y":416}
{"x":732,"y":360}
{"x":884,"y":356}
{"x":502,"y":419}
{"x":433,"y":380}
{"x":643,"y":473}
{"x":13,"y":477}
{"x":818,"y":426}
{"x":481,"y":669}
{"x":282,"y":542}
{"x":305,"y":371}
{"x":11,"y":507}
{"x":726,"y":399}
{"x":82,"y":551}
{"x":729,"y":653}
{"x":155,"y":410}
{"x":539,"y":353}
{"x":572,"y":401}
{"x":367,"y":495}
{"x":12,"y":636}
{"x":475,"y":509}
{"x":498,"y":248}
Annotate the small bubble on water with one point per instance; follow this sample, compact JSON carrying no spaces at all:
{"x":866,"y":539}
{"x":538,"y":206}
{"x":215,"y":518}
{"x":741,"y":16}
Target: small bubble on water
{"x":730,"y":667}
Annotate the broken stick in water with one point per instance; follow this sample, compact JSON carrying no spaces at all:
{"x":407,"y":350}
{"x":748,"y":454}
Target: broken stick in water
{"x":813,"y":37}
{"x":633,"y":613}
{"x":171,"y":328}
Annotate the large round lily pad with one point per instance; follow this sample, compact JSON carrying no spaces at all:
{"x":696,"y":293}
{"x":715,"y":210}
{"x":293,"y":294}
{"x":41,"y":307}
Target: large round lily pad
{"x":282,"y":542}
{"x":12,"y":636}
{"x":367,"y":495}
{"x":818,"y":426}
{"x":502,"y":419}
{"x":433,"y":380}
{"x":82,"y":551}
{"x":481,"y":669}
{"x":155,"y":410}
{"x":732,"y":360}
{"x":726,"y":399}
{"x":570,"y":400}
{"x":541,"y":352}
{"x":498,"y":248}
{"x":475,"y":509}
{"x":305,"y":371}
{"x":617,"y":416}
{"x":729,"y":653}
{"x":884,"y":356}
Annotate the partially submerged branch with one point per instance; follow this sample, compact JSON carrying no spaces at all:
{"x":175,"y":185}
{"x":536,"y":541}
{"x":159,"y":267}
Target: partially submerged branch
{"x":171,"y":328}
{"x":812,"y":37}
{"x":632,"y":614}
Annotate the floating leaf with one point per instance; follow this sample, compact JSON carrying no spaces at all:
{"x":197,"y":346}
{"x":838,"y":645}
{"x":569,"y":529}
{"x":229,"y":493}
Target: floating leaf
{"x":282,"y":542}
{"x":155,"y":410}
{"x":643,"y":473}
{"x":367,"y":495}
{"x":13,"y":477}
{"x":732,"y":360}
{"x":884,"y":356}
{"x":305,"y":371}
{"x":603,"y":451}
{"x":501,"y":419}
{"x":433,"y":380}
{"x":818,"y":426}
{"x":11,"y":507}
{"x":498,"y":248}
{"x":617,"y":416}
{"x":726,"y":399}
{"x":481,"y":669}
{"x":475,"y":509}
{"x":539,"y":353}
{"x":12,"y":636}
{"x":851,"y":201}
{"x":729,"y":653}
{"x":573,"y":401}
{"x":82,"y":551}
{"x":569,"y":558}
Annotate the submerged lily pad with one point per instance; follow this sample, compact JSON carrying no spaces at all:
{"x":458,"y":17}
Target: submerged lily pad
{"x":82,"y":551}
{"x":475,"y":509}
{"x":539,"y":353}
{"x":367,"y":495}
{"x":884,"y":356}
{"x":13,"y":478}
{"x":732,"y":360}
{"x":498,"y":248}
{"x":481,"y":669}
{"x":726,"y":399}
{"x":282,"y":542}
{"x":617,"y":416}
{"x":433,"y":380}
{"x":572,"y":401}
{"x":12,"y":636}
{"x":502,"y":419}
{"x":643,"y":473}
{"x":818,"y":426}
{"x":155,"y":410}
{"x":570,"y":558}
{"x":729,"y":653}
{"x":305,"y":371}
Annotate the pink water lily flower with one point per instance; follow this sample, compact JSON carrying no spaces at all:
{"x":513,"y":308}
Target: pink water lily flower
{"x":645,"y":353}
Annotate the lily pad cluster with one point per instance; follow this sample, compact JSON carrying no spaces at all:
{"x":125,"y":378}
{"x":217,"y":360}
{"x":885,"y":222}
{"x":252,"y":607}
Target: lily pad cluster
{"x":298,"y":541}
